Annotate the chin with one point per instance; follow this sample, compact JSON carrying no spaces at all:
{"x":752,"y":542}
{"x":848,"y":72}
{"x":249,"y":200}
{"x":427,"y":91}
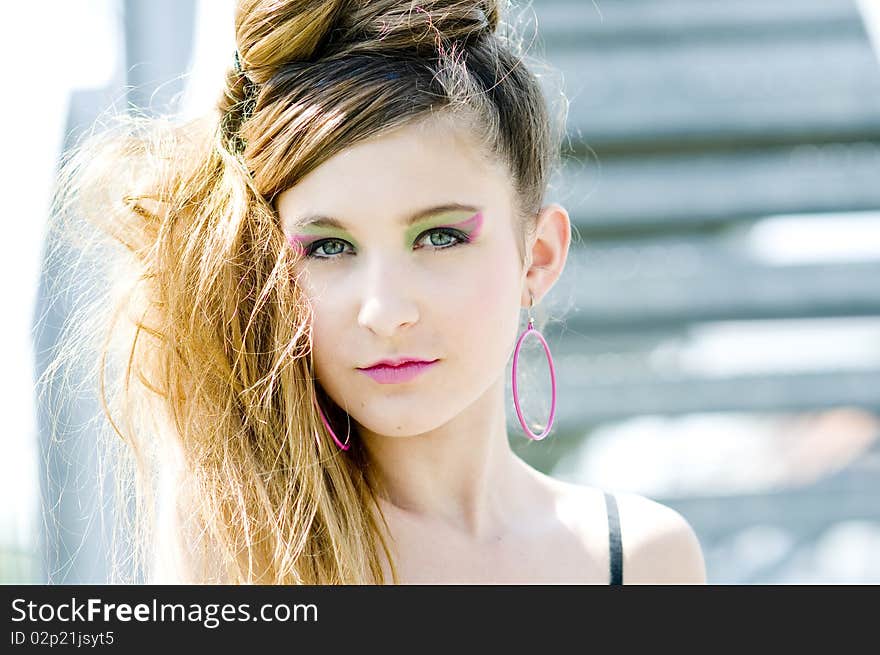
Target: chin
{"x":376,"y":420}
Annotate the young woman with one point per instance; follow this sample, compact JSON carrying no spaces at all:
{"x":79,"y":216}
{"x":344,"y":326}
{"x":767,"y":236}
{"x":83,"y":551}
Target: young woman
{"x":369,"y":193}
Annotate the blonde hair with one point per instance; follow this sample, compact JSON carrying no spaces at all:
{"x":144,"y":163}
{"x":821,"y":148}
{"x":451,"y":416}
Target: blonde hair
{"x":205,"y":330}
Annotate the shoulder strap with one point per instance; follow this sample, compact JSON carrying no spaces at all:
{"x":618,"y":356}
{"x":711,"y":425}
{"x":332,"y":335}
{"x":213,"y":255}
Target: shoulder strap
{"x":615,"y":547}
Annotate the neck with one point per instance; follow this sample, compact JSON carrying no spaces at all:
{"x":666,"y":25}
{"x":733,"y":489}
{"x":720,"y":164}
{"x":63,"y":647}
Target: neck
{"x":462,"y":473}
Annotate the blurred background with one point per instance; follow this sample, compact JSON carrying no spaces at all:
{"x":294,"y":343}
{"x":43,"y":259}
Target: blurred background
{"x":716,"y":333}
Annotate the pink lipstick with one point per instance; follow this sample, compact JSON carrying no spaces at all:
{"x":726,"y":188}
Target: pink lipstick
{"x":389,"y":373}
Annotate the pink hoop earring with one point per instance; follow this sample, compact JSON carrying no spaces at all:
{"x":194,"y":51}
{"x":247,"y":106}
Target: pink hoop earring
{"x":531,"y":330}
{"x":342,"y":446}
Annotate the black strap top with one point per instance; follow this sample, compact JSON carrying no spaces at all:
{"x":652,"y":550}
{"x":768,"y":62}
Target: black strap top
{"x":615,"y":547}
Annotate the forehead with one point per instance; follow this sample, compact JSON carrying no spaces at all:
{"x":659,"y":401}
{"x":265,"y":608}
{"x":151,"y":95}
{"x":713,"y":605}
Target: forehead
{"x":415,"y":166}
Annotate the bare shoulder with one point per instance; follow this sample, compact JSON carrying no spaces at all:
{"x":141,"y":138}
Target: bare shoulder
{"x":659,"y":545}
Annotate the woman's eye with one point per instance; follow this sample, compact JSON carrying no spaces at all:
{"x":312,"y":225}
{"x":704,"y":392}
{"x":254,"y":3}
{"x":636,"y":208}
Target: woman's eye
{"x":438,"y":238}
{"x":446,"y":237}
{"x":337,"y":246}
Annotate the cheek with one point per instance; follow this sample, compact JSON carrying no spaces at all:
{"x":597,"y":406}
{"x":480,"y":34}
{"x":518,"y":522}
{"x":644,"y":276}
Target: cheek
{"x":489,"y":308}
{"x":325,"y":329}
{"x":328,"y":358}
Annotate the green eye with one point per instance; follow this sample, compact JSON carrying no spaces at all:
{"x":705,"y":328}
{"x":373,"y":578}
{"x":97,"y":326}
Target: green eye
{"x":321,"y":243}
{"x":445,"y":235}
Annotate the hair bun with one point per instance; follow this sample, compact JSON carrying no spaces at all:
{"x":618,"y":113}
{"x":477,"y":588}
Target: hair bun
{"x":392,"y":24}
{"x":270,"y":33}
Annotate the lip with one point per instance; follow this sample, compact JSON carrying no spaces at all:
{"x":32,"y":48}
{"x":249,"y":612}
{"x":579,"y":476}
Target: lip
{"x":397,"y":371}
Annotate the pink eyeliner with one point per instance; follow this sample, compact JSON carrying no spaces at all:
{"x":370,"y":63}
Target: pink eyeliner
{"x":472,"y":226}
{"x":297,"y":241}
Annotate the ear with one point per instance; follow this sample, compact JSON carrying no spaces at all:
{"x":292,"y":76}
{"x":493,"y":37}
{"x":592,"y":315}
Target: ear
{"x":547,"y":251}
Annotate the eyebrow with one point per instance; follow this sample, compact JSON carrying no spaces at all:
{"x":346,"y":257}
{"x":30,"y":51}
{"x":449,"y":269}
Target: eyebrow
{"x":319,"y":220}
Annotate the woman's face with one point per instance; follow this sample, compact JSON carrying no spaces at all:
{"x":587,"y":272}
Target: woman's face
{"x":447,"y":287}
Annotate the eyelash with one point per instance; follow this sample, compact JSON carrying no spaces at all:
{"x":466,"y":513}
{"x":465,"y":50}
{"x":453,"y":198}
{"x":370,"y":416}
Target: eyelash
{"x":460,"y":239}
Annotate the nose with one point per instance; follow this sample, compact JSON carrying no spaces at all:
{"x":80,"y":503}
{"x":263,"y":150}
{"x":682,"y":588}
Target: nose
{"x":388,"y":303}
